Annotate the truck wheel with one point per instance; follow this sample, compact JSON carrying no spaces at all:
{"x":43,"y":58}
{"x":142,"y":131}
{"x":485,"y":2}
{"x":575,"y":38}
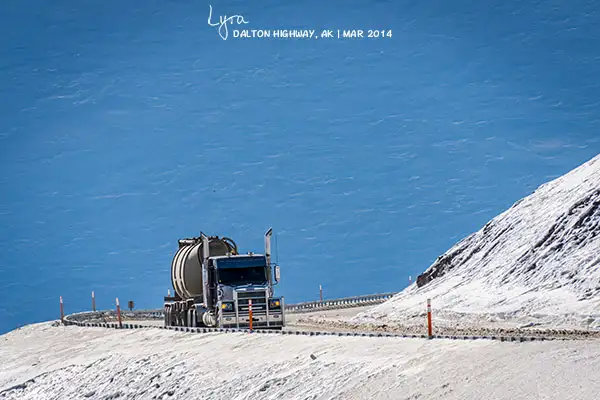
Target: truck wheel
{"x":209,"y":319}
{"x":191,"y":323}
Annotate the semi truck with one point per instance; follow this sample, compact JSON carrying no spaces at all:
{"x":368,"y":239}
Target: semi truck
{"x":215,"y":286}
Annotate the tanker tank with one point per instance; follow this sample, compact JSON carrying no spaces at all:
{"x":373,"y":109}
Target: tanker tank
{"x":186,"y":268}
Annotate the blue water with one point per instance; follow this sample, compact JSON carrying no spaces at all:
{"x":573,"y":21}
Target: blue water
{"x":126,"y":125}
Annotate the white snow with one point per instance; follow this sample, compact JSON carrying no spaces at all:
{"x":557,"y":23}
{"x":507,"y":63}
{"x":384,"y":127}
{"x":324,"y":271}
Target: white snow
{"x":54,"y":362}
{"x":538,"y":262}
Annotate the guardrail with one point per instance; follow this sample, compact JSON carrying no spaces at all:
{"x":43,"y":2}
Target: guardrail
{"x":305,"y":307}
{"x":345,"y":302}
{"x":109,"y":315}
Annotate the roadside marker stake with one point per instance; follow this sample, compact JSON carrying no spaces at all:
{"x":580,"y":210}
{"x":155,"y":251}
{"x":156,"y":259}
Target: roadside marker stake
{"x":119,"y":313}
{"x":62,"y":311}
{"x":250,"y":313}
{"x":321,"y":292}
{"x":93,"y":301}
{"x":429,"y":327}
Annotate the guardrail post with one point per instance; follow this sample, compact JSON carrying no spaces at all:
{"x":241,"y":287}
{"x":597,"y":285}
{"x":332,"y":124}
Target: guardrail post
{"x":119,"y":314}
{"x":62,"y":311}
{"x":321,"y":293}
{"x":429,"y":326}
{"x":93,"y":302}
{"x":250,"y":313}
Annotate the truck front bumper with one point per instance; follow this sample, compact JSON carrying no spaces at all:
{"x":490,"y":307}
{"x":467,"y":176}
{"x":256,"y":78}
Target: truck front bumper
{"x":259,"y":320}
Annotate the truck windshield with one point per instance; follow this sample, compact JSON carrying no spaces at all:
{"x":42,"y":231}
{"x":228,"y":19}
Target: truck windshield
{"x":242,"y":270}
{"x":243,"y":275}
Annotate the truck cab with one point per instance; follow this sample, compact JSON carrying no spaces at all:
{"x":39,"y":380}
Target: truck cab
{"x":215,"y":286}
{"x":241,"y":280}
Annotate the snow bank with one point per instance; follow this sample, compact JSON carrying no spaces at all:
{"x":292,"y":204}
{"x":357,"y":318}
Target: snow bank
{"x":538,"y":263}
{"x":47,"y":362}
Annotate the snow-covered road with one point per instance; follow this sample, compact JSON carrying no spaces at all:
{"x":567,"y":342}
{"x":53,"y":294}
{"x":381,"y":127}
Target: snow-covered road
{"x":49,"y":362}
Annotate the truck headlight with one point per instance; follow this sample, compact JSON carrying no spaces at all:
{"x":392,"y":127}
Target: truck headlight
{"x":274,"y":303}
{"x":227,"y":306}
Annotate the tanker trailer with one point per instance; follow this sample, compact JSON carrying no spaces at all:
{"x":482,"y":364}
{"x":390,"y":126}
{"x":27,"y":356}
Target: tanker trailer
{"x":215,"y":288}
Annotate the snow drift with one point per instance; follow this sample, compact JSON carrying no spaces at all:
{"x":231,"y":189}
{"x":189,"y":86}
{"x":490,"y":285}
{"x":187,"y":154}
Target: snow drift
{"x":55,"y":362}
{"x":536,"y":263}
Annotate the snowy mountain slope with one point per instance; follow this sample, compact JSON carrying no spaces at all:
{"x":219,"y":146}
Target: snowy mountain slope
{"x":539,"y":262}
{"x":45,"y":362}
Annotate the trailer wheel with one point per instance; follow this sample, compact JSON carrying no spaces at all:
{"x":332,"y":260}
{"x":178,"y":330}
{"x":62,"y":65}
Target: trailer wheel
{"x":190,"y":319}
{"x":184,"y":318}
{"x":167,"y":316}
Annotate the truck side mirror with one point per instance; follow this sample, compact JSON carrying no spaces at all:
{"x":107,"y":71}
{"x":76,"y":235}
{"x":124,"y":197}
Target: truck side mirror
{"x":277,"y":274}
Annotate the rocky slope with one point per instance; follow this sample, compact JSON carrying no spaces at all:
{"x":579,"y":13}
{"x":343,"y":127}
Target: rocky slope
{"x":536,"y":263}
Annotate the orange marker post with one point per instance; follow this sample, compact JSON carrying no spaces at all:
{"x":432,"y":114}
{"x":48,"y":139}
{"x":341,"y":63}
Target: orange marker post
{"x":62,"y":311}
{"x":250,"y":313}
{"x":429,"y":326}
{"x":119,"y":313}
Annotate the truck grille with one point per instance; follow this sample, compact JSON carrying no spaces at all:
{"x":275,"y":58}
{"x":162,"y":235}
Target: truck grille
{"x":259,"y":300}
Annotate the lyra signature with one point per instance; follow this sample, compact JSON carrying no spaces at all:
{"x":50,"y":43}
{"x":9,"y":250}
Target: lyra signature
{"x":223,"y":20}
